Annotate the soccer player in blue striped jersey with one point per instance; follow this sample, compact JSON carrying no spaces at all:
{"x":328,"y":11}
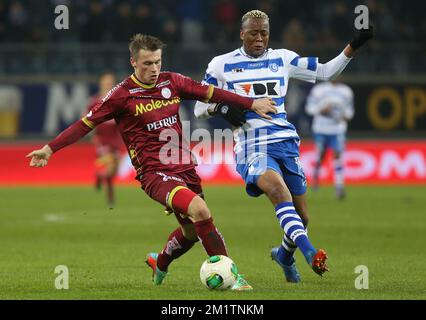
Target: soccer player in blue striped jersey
{"x":267,"y":151}
{"x":331,"y":105}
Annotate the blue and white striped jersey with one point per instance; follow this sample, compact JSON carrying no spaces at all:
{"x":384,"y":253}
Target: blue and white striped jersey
{"x":339,"y":98}
{"x":264,"y":76}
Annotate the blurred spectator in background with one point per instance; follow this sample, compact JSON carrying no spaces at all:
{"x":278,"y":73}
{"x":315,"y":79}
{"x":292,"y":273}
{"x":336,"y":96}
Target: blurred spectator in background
{"x":95,"y":20}
{"x":197,"y":24}
{"x":170,"y":32}
{"x":225,"y":15}
{"x":384,"y":24}
{"x":167,"y":20}
{"x":191,"y":14}
{"x":293,"y":36}
{"x":123,"y":24}
{"x":3,"y":26}
{"x":94,"y":27}
{"x":144,"y":21}
{"x":17,"y":20}
{"x":341,"y":22}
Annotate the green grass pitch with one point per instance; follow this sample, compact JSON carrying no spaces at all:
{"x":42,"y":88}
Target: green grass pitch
{"x":383,"y":228}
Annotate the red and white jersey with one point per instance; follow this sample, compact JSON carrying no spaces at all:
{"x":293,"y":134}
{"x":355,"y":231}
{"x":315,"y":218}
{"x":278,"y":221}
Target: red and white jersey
{"x":147,"y":117}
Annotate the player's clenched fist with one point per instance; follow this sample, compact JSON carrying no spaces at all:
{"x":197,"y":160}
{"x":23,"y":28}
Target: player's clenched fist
{"x":40,"y":157}
{"x":361,"y":37}
{"x":263,"y":106}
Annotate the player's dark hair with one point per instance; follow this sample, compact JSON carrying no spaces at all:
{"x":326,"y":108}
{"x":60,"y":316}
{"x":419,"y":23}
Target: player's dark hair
{"x":146,"y":42}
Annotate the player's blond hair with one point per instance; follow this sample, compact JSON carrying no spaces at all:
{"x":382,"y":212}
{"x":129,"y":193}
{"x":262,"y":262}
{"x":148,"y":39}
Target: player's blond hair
{"x":146,"y":42}
{"x":257,"y":14}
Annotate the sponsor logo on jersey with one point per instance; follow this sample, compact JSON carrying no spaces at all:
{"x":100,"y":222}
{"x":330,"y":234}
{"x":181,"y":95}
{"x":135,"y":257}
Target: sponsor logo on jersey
{"x":166,"y":122}
{"x":236,"y":70}
{"x":136,"y":90}
{"x":162,"y":84}
{"x":270,"y":88}
{"x":273,"y":67}
{"x":154,"y":105}
{"x":167,"y":178}
{"x":166,"y":93}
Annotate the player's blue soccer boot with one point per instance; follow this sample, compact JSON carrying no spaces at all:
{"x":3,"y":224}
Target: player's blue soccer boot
{"x":317,"y":260}
{"x":157,"y":275}
{"x":290,"y":272}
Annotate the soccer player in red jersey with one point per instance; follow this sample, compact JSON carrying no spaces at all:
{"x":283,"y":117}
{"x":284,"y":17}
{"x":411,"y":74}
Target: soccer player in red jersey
{"x":107,"y":142}
{"x":144,"y":107}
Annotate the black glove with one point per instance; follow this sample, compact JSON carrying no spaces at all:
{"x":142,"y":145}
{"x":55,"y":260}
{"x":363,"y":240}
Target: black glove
{"x":233,"y":115}
{"x":361,"y":37}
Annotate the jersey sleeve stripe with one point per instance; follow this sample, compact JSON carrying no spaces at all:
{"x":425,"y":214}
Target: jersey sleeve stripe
{"x":309,"y":63}
{"x":88,"y":123}
{"x":295,"y":61}
{"x":210,"y":91}
{"x":312,"y":63}
{"x":211,"y":80}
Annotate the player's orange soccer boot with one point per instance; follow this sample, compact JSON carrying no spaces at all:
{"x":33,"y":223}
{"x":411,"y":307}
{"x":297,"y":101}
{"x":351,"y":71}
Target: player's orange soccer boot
{"x":157,"y":275}
{"x":318,"y":262}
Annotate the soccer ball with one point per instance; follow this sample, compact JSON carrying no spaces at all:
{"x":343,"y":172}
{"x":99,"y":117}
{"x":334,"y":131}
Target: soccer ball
{"x":218,"y":273}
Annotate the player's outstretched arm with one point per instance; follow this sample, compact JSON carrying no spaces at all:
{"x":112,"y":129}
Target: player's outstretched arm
{"x":73,"y":133}
{"x":333,"y":68}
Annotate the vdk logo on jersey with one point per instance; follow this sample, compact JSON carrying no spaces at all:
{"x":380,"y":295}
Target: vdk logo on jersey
{"x":270,"y":88}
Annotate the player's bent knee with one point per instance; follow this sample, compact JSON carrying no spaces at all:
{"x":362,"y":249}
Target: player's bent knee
{"x":274,"y":187}
{"x":187,"y":226}
{"x":198,"y":210}
{"x":278,"y":194}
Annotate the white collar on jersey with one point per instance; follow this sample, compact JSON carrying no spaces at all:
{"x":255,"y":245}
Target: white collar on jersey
{"x":249,"y":56}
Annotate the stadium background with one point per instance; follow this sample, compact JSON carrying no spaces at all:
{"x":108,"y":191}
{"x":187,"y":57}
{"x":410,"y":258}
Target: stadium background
{"x":48,"y":75}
